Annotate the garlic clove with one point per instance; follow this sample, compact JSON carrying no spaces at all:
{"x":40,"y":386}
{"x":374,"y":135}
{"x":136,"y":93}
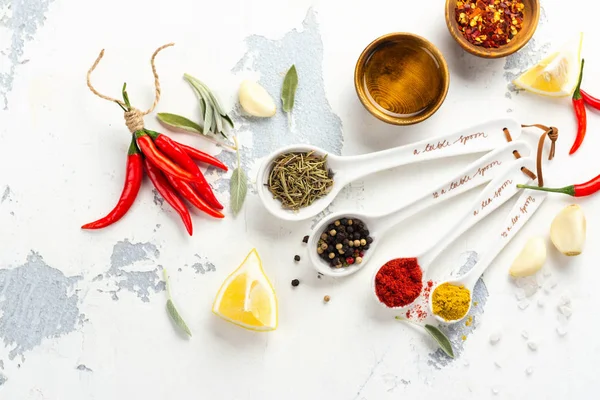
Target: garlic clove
{"x":255,"y":100}
{"x":531,"y":259}
{"x":568,"y":230}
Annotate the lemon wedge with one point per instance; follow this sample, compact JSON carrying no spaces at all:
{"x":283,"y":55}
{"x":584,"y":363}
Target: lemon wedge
{"x":247,"y":298}
{"x":557,"y":74}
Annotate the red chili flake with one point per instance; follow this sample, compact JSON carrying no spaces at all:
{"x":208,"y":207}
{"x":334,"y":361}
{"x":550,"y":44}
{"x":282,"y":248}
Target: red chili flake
{"x":489,"y":23}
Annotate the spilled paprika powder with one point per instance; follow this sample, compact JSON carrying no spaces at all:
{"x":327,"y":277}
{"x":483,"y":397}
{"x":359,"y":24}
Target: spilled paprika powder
{"x":399,"y":282}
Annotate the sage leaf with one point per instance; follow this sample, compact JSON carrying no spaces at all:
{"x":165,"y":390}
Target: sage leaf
{"x":288,"y":90}
{"x":179,"y":122}
{"x":239,"y":188}
{"x":441,"y":339}
{"x":208,"y":119}
{"x":177,"y":318}
{"x":173,"y":313}
{"x":210,"y":108}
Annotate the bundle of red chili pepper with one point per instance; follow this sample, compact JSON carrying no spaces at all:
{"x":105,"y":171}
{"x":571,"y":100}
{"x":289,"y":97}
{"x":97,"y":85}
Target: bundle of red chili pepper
{"x":169,"y":164}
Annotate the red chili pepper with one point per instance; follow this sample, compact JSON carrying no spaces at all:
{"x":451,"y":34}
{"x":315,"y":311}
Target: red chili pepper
{"x":590,"y":100}
{"x":168,"y":193}
{"x":579,"y":190}
{"x":163,"y":163}
{"x":187,"y":191}
{"x":133,"y":182}
{"x":202,"y":156}
{"x":579,"y":107}
{"x":177,"y":154}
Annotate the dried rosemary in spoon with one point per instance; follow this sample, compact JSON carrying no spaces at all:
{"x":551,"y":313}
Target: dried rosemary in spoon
{"x":298,"y":179}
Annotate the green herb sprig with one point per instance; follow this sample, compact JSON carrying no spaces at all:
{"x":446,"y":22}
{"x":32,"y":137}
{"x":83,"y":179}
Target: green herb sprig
{"x":238,"y":184}
{"x":214,"y":115}
{"x":439,"y":336}
{"x":288,"y":90}
{"x":173,"y":313}
{"x":298,"y":179}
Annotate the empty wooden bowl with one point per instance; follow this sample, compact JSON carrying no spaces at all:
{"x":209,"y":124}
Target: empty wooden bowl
{"x":401,"y":78}
{"x":531,"y":17}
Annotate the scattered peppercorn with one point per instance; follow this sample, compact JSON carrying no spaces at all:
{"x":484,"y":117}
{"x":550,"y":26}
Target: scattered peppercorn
{"x":344,"y":242}
{"x":295,"y":282}
{"x":296,"y":258}
{"x":326,"y":299}
{"x":305,"y":239}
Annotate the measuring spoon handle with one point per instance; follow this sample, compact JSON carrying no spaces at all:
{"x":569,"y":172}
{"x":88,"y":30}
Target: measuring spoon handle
{"x":476,"y":139}
{"x":495,"y":194}
{"x":477,"y":173}
{"x":527,"y":204}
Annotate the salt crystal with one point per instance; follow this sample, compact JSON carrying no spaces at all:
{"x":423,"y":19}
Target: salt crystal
{"x":495,"y":390}
{"x":520,"y":294}
{"x":523,"y":304}
{"x":529,"y":370}
{"x":531,"y":290}
{"x":566,"y":311}
{"x":497,"y":364}
{"x":532,"y":346}
{"x":529,"y":285}
{"x":494,"y":338}
{"x":541,"y":302}
{"x":549,"y":285}
{"x":466,"y":363}
{"x":525,"y":335}
{"x":547,"y":273}
{"x":565,"y":300}
{"x":561,"y":330}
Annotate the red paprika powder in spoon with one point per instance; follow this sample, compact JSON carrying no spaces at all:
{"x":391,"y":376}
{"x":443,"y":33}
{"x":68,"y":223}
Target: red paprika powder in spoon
{"x":399,"y":282}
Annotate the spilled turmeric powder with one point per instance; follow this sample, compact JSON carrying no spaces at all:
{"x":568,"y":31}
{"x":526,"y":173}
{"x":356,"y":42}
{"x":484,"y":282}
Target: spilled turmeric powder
{"x":451,"y":302}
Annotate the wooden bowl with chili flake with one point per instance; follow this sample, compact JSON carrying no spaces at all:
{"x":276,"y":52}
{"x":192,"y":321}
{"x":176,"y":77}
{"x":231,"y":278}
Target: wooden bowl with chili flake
{"x":492,"y":30}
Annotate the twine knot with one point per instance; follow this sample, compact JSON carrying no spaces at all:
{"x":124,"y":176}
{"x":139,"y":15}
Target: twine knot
{"x":553,"y":136}
{"x":134,"y":119}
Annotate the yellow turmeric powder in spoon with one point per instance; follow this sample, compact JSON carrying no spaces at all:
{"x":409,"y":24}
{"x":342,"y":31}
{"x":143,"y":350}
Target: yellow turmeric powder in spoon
{"x":451,"y":302}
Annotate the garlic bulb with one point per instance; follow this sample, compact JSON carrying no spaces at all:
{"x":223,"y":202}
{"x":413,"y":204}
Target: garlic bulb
{"x":255,"y":100}
{"x":568,"y":230}
{"x":531,"y":259}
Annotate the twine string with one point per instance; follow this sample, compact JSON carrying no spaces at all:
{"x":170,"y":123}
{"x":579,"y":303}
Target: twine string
{"x":134,"y":118}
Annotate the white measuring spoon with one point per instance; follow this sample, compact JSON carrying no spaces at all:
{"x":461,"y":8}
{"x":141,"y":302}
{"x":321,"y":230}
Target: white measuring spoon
{"x":502,"y":188}
{"x":346,"y":169}
{"x":477,"y":173}
{"x":529,"y":202}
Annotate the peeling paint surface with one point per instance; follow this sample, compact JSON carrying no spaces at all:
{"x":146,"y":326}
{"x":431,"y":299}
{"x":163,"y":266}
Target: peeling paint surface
{"x":203,"y":266}
{"x":142,"y":283}
{"x":19,"y":19}
{"x":37,"y":302}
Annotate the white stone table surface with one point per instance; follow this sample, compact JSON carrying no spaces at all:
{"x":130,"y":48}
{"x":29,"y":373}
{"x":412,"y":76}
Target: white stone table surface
{"x":82,"y":314}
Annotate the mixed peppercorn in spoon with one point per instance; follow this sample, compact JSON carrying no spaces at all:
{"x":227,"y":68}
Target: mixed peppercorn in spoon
{"x":344,"y":242}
